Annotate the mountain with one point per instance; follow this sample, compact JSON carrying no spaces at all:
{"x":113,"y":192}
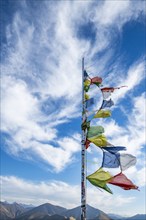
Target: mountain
{"x":42,"y":212}
{"x":10,"y":211}
{"x":91,"y":213}
{"x":48,"y":211}
{"x":137,"y":217}
{"x":116,"y":217}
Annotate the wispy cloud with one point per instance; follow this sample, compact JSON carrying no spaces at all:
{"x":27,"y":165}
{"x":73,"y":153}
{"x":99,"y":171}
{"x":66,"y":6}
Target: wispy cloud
{"x":41,"y":72}
{"x":58,"y":193}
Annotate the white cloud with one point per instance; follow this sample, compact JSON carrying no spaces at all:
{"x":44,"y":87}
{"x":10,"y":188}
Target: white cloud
{"x":45,"y":59}
{"x":58,"y":193}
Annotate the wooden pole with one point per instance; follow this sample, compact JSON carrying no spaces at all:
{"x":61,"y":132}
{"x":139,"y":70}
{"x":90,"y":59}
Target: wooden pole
{"x":83,"y":152}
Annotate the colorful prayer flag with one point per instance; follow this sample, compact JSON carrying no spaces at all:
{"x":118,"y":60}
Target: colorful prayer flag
{"x":127,"y":160}
{"x":100,"y":178}
{"x":107,"y":104}
{"x":87,"y":143}
{"x":96,"y":80}
{"x":85,"y":74}
{"x":102,"y":114}
{"x":114,"y":149}
{"x":87,"y":96}
{"x":89,"y":102}
{"x":99,"y":140}
{"x":122,"y":181}
{"x":110,"y":160}
{"x":87,"y":83}
{"x":94,"y":131}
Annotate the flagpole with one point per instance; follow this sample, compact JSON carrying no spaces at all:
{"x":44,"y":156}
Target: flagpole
{"x":83,"y":152}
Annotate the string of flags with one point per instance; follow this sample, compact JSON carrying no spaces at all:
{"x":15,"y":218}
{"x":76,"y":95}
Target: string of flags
{"x":112,"y":156}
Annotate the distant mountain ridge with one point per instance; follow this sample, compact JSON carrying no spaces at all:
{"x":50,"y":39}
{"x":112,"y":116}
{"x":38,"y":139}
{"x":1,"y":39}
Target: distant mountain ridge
{"x":48,"y":211}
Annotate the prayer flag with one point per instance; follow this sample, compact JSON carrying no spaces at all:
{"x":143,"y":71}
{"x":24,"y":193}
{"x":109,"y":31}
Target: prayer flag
{"x":87,"y":96}
{"x":99,"y":140}
{"x":122,"y":181}
{"x":107,"y":104}
{"x":87,"y":83}
{"x":114,"y":149}
{"x":94,"y":131}
{"x":127,"y":160}
{"x":85,"y":74}
{"x":110,"y":160}
{"x":89,"y":102}
{"x":100,"y":178}
{"x":96,"y":80}
{"x":102,"y":114}
{"x":87,"y":143}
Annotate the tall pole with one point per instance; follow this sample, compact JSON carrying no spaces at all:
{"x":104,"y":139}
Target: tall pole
{"x":83,"y":153}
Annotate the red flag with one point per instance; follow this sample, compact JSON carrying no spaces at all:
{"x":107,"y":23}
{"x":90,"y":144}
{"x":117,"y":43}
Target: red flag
{"x":87,"y":143}
{"x":96,"y":80}
{"x":122,"y":181}
{"x":108,"y":89}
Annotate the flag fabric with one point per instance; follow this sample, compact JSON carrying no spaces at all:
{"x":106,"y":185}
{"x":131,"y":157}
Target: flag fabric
{"x":100,"y":178}
{"x":102,"y":114}
{"x":89,"y":102}
{"x":107,"y":103}
{"x":110,"y":160}
{"x":126,"y":161}
{"x":85,"y":74}
{"x":114,"y":149}
{"x":87,"y":143}
{"x":87,"y":96}
{"x":96,"y":80}
{"x":122,"y":181}
{"x":87,"y":83}
{"x":100,"y":184}
{"x":99,"y":140}
{"x":106,"y":92}
{"x":94,"y":131}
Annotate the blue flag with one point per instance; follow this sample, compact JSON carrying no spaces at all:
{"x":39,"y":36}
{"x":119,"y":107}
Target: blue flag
{"x":107,"y":103}
{"x":89,"y":102}
{"x":114,"y":149}
{"x":110,"y":160}
{"x":85,"y":74}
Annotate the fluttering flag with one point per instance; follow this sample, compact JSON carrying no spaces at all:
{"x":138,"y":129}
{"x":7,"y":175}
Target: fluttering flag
{"x":107,"y":103}
{"x":85,"y":74}
{"x":126,"y":161}
{"x":114,"y":149}
{"x":87,"y":143}
{"x":89,"y":102}
{"x":102,"y":114}
{"x":99,"y":140}
{"x":122,"y":181}
{"x":96,"y":80}
{"x":94,"y":131}
{"x":110,"y":160}
{"x":100,"y":178}
{"x":87,"y":83}
{"x":106,"y":92}
{"x":87,"y":96}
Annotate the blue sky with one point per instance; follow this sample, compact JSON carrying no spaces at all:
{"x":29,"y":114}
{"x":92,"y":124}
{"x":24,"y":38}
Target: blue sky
{"x":42,"y":44}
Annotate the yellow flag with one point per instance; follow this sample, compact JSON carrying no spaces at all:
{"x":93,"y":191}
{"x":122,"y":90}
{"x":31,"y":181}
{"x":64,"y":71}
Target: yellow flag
{"x":100,"y":178}
{"x":87,"y":82}
{"x":99,"y":140}
{"x":87,"y":96}
{"x":102,"y":114}
{"x":100,"y":174}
